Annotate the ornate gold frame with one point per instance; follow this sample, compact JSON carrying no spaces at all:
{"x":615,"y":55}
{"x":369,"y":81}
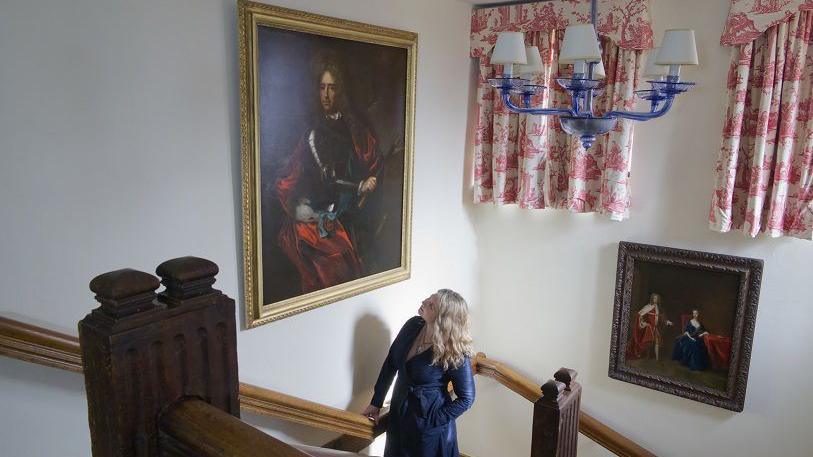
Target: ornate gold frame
{"x":250,"y":15}
{"x":742,"y":333}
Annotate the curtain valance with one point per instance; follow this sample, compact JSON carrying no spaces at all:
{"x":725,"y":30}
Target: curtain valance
{"x":627,"y":23}
{"x":748,"y":19}
{"x":765,"y":168}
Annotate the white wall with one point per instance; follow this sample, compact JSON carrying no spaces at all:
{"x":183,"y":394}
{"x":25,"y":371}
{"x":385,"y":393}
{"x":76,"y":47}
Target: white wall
{"x":547,"y":281}
{"x":119,"y":134}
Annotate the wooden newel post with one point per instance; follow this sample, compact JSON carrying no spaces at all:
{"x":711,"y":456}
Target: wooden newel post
{"x":144,"y":351}
{"x":556,"y":417}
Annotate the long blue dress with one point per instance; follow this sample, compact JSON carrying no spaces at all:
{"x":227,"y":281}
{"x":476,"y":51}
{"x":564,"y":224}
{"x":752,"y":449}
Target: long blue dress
{"x":422,"y":413}
{"x":690,"y":353}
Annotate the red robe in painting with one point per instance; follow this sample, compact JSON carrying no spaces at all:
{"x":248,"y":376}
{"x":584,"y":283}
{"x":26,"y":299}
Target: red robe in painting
{"x":350,"y":155}
{"x":643,"y":338}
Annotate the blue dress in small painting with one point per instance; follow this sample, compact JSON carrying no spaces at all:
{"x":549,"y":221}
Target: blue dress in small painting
{"x":692,"y":353}
{"x":422,"y":413}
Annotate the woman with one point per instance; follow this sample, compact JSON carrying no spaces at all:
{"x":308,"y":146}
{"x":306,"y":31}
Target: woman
{"x":429,"y":351}
{"x":690,"y":350}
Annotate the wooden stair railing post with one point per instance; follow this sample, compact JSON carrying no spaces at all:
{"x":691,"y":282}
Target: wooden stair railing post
{"x":142,"y":352}
{"x":556,"y":417}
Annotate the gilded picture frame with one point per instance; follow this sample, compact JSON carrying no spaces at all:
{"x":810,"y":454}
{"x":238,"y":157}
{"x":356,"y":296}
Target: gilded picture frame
{"x":683,"y":322}
{"x":311,"y":238}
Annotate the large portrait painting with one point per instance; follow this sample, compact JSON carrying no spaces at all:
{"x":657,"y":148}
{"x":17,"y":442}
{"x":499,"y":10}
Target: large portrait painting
{"x":684,"y":322}
{"x":327,"y":109}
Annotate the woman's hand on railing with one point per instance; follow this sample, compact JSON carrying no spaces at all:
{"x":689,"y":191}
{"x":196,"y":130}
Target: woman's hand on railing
{"x":372,"y":413}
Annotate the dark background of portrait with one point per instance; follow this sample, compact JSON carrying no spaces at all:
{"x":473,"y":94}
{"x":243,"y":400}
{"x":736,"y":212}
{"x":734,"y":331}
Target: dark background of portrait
{"x":683,"y":289}
{"x":375,"y":88}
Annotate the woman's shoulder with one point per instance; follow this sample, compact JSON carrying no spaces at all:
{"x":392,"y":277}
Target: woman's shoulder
{"x":413,"y":323}
{"x":414,"y":320}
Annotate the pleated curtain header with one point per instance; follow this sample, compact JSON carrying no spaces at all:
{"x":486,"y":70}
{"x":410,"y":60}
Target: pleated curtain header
{"x":628,"y":23}
{"x":748,"y":19}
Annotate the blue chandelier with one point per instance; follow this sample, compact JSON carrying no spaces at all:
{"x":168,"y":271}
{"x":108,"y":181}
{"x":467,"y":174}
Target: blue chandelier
{"x":580,"y":47}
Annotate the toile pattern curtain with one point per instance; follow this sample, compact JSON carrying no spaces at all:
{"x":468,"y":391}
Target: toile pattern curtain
{"x":765,"y":168}
{"x":527,"y":159}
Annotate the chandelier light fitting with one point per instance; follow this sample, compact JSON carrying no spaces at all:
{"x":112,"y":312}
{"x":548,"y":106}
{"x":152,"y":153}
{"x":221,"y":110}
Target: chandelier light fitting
{"x":580,"y":48}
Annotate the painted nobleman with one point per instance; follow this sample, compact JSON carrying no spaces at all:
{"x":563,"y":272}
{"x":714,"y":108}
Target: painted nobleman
{"x":646,"y":330}
{"x":331,"y":172}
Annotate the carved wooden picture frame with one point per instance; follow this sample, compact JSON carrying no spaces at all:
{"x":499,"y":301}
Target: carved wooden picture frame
{"x":683,"y":322}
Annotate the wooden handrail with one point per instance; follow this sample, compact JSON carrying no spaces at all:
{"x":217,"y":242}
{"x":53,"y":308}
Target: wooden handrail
{"x":608,"y":438}
{"x":294,"y":409}
{"x":589,"y":426}
{"x":39,"y":345}
{"x":194,"y":427}
{"x":35,"y":344}
{"x":54,"y":349}
{"x":506,"y":376}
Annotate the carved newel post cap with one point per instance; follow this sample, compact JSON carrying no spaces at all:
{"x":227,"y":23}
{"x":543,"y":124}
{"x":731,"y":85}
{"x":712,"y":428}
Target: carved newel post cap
{"x":552,"y":389}
{"x":186,"y":277}
{"x":566,"y":376}
{"x":124,"y":292}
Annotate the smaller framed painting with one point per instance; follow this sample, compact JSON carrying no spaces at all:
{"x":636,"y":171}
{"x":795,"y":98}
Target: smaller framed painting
{"x":683,"y":322}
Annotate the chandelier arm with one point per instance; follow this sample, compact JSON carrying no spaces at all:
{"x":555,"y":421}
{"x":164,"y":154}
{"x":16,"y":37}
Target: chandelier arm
{"x":575,"y":98}
{"x":643,"y":116}
{"x":506,"y":98}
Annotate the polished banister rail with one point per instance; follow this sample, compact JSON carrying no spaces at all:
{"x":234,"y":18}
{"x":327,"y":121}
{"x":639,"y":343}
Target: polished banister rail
{"x":194,"y":427}
{"x":295,"y":409}
{"x":588,"y":425}
{"x":45,"y":347}
{"x":506,"y":376}
{"x":35,"y":344}
{"x":39,"y":345}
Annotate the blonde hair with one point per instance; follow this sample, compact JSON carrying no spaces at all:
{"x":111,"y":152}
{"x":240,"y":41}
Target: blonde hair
{"x":451,"y":342}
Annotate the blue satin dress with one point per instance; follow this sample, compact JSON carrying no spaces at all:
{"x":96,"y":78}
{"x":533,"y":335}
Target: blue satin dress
{"x":422,"y":413}
{"x":692,"y":354}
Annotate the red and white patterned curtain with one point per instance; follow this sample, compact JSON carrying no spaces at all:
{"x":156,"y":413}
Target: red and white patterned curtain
{"x":765,"y":169}
{"x":528,"y":160}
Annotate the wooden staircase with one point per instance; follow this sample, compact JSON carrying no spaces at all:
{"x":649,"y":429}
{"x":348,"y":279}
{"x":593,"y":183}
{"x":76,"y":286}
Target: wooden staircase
{"x":132,"y":314}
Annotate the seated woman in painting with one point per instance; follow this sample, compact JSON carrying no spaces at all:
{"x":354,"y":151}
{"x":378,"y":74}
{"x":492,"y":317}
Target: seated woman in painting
{"x":690,"y":349}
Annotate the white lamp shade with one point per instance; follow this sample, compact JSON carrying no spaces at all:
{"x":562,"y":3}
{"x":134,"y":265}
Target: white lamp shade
{"x":580,"y":43}
{"x":510,"y":48}
{"x":678,"y":48}
{"x":533,"y":63}
{"x":651,"y":69}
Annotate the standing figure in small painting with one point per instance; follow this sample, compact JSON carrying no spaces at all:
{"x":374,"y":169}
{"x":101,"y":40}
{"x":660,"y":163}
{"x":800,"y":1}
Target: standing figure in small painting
{"x":331,"y":173}
{"x":690,"y":349}
{"x":646,"y":330}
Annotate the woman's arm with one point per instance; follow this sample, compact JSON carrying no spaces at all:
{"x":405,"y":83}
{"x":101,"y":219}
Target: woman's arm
{"x":390,"y":365}
{"x":385,"y":377}
{"x":463,"y":383}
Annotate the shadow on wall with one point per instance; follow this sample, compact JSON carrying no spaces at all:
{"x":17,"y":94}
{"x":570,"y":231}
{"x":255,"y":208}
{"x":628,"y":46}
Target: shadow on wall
{"x":371,"y":342}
